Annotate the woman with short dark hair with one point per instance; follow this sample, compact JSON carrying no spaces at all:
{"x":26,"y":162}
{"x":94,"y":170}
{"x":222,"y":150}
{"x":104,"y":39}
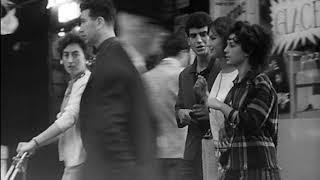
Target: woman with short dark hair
{"x":250,"y":108}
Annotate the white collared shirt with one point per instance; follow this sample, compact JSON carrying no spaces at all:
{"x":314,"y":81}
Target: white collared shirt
{"x":220,"y":89}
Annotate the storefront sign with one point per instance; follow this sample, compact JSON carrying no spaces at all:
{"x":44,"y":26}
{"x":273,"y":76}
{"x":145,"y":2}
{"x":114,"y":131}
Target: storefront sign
{"x":244,"y":10}
{"x":231,"y":8}
{"x":294,"y":21}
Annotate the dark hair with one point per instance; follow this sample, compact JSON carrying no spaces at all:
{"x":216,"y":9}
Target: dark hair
{"x":222,"y":26}
{"x":71,"y":38}
{"x":103,"y":8}
{"x":173,"y":44}
{"x":198,"y":20}
{"x":256,"y":41}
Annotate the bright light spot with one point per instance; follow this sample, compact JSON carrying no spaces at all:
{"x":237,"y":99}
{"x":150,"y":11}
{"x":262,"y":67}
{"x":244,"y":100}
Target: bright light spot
{"x":51,"y":3}
{"x":77,"y":28}
{"x":68,"y":12}
{"x":56,"y":3}
{"x":61,"y":34}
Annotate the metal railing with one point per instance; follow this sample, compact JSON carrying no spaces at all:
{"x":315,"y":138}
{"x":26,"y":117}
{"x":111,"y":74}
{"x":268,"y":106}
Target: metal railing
{"x":18,"y":165}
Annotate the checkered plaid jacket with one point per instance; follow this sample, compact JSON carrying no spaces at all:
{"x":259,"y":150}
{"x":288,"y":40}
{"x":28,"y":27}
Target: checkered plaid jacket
{"x":252,"y":125}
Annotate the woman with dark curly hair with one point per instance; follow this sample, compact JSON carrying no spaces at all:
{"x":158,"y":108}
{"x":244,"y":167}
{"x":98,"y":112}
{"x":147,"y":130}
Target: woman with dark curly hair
{"x":250,"y":108}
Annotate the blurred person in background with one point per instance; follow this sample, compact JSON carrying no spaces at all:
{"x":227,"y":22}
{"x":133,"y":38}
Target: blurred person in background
{"x":117,"y":123}
{"x":72,"y":50}
{"x":219,"y":33}
{"x":162,"y":86}
{"x":250,"y":108}
{"x":197,"y":30}
{"x":142,"y":25}
{"x":142,"y":38}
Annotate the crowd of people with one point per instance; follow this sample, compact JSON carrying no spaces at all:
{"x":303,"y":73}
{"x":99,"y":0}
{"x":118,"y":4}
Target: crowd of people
{"x":119,"y":121}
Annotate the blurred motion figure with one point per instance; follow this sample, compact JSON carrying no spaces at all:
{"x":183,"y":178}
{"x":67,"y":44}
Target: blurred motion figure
{"x":117,"y":123}
{"x":162,"y":86}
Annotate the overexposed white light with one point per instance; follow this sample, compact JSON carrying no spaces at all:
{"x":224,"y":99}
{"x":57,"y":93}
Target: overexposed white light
{"x":77,"y":28}
{"x":68,"y":12}
{"x":56,"y":3}
{"x":61,"y":34}
{"x":51,"y":3}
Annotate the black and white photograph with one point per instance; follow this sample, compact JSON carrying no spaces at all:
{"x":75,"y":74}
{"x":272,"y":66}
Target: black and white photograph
{"x":160,"y":89}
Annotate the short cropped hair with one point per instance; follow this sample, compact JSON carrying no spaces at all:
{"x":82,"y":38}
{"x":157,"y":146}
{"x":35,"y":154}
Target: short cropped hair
{"x":71,"y":38}
{"x":256,"y":41}
{"x":198,"y":20}
{"x":222,"y":26}
{"x":102,"y":8}
{"x":173,"y":44}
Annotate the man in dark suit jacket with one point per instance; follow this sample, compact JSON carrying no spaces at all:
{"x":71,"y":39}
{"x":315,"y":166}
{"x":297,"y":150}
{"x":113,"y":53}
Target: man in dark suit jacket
{"x":189,"y":112}
{"x":115,"y":118}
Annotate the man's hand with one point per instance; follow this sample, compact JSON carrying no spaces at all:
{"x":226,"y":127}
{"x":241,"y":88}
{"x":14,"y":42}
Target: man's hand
{"x":200,"y":112}
{"x":200,"y":89}
{"x":28,"y":147}
{"x":184,"y":117}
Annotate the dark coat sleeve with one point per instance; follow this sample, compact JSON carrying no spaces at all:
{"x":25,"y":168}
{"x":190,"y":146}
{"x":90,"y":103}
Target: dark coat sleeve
{"x":180,"y":103}
{"x":124,"y":122}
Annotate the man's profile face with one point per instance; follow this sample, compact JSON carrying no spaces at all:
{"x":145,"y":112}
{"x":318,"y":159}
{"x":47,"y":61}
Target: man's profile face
{"x":88,"y":27}
{"x":199,"y":40}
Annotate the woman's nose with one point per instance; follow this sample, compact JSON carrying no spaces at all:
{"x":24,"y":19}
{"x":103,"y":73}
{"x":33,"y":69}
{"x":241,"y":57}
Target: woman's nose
{"x":226,"y":50}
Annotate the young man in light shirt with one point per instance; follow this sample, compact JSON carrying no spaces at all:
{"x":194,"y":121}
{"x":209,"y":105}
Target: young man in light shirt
{"x":72,"y":50}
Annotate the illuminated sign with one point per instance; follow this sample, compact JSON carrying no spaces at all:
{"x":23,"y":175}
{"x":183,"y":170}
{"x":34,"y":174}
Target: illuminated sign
{"x":295,"y":21}
{"x":68,"y":12}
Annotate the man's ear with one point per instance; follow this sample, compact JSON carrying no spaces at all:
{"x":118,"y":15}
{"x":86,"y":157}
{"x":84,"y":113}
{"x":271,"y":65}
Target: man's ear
{"x":100,"y":21}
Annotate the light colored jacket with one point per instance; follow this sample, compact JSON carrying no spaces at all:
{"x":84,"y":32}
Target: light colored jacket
{"x":162,"y":87}
{"x":71,"y":149}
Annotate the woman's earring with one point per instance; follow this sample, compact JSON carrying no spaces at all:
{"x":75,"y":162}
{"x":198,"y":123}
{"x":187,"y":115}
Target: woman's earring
{"x":61,"y":62}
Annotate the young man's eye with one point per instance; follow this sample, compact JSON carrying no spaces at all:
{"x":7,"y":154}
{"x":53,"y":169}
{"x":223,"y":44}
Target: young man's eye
{"x":75,"y":55}
{"x":193,"y":35}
